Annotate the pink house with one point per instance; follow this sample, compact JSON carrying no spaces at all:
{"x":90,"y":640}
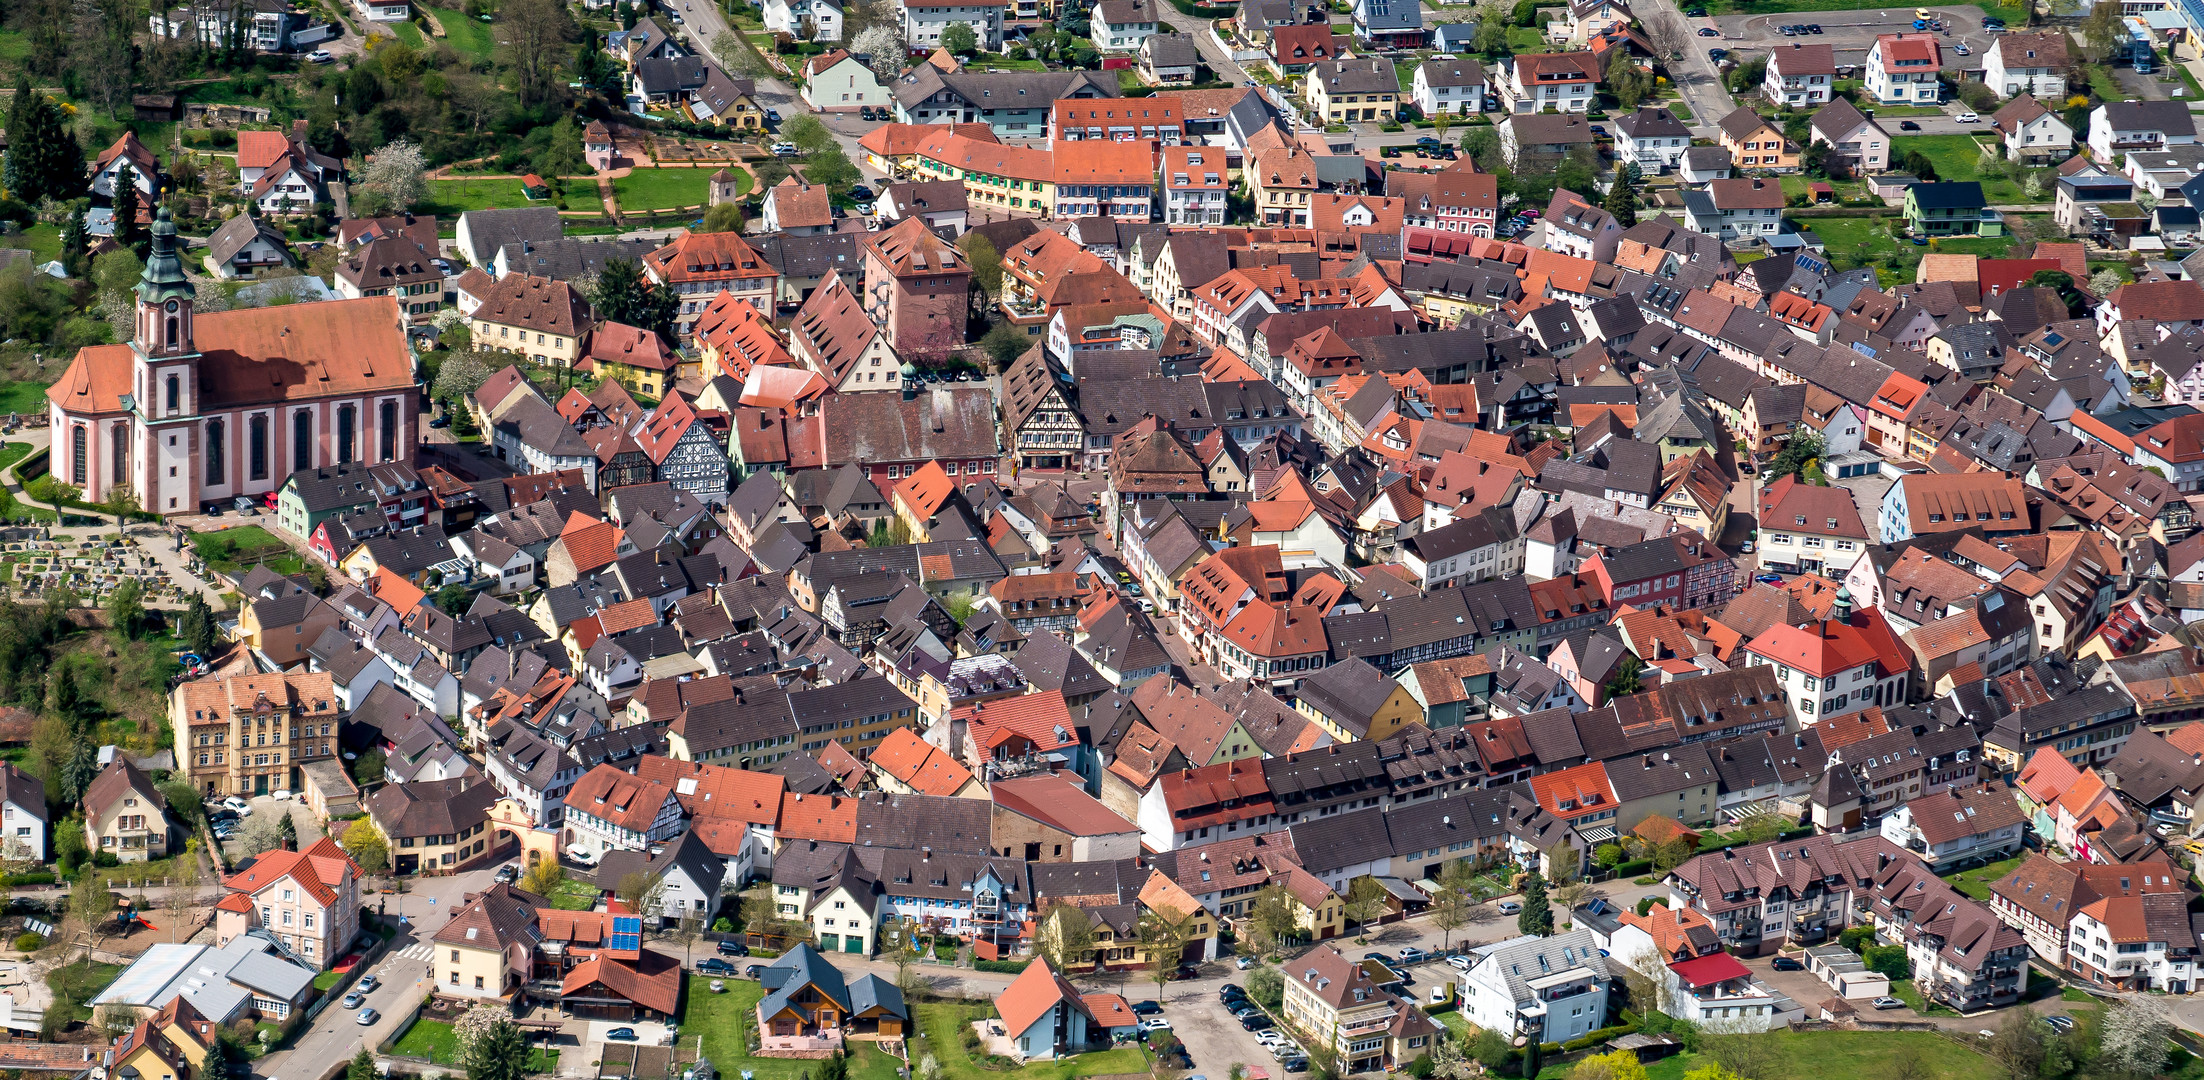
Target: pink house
{"x":598,"y":148}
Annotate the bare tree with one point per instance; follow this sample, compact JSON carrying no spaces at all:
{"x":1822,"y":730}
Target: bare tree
{"x":533,"y":35}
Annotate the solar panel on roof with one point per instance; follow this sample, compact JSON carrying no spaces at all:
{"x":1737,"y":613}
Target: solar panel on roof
{"x":627,"y":934}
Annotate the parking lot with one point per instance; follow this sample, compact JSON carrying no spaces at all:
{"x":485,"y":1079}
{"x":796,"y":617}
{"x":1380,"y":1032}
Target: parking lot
{"x":1849,"y":34}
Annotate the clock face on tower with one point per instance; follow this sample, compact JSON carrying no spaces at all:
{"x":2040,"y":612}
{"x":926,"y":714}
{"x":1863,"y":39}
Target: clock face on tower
{"x":172,"y":307}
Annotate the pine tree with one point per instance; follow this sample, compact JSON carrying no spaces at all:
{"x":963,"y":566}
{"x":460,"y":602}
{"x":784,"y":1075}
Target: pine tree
{"x":1622,"y":196}
{"x":128,"y":231}
{"x":1537,"y":917}
{"x":624,"y":295}
{"x":44,"y":160}
{"x":362,"y":1067}
{"x":15,"y":173}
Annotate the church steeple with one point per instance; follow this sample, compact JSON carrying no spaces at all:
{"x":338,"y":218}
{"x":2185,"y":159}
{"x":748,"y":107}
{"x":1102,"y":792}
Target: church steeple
{"x":165,"y":296}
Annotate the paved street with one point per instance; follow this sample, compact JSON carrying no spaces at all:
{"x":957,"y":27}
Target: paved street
{"x":403,"y":973}
{"x":1695,"y":76}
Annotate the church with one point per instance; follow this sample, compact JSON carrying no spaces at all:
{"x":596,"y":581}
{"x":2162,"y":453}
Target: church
{"x":202,"y":409}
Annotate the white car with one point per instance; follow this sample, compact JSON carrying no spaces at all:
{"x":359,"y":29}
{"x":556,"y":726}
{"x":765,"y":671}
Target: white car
{"x":1269,"y":1037}
{"x":1155,"y":1023}
{"x":1511,"y":907}
{"x":281,"y":795}
{"x":1968,"y":118}
{"x":320,"y":56}
{"x":1458,"y":963}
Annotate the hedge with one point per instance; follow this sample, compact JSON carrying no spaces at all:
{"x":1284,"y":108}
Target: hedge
{"x":34,"y":877}
{"x":1588,"y":1040}
{"x":1203,"y":11}
{"x":1638,"y":868}
{"x":1001,"y":967}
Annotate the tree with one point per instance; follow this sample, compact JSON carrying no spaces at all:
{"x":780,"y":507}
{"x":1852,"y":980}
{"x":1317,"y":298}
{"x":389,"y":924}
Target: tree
{"x":531,"y":36}
{"x":286,"y":831}
{"x":1918,"y":164}
{"x":831,"y":167}
{"x":2136,"y":1032}
{"x":1888,"y":960}
{"x":2061,"y":282}
{"x":1617,"y":1065}
{"x":1491,"y":38}
{"x":91,"y":903}
{"x":543,"y":878}
{"x":1712,"y":1070}
{"x":1629,"y":83}
{"x":1571,"y":895}
{"x":1622,"y":195}
{"x":1005,"y":343}
{"x":1577,"y":170}
{"x":1804,"y":448}
{"x":126,"y":608}
{"x":1491,"y":1050}
{"x":808,"y":133}
{"x":1537,"y":916}
{"x":2104,"y":281}
{"x":641,"y":892}
{"x":122,"y":501}
{"x":1163,"y":938}
{"x":882,"y":47}
{"x":562,"y":154}
{"x":367,"y":847}
{"x":1267,"y":987}
{"x":1450,"y":912}
{"x":1067,"y":936}
{"x":987,"y":263}
{"x":2018,"y":1046}
{"x":129,"y":231}
{"x":463,"y":373}
{"x":1624,"y":682}
{"x":368,"y":767}
{"x":1365,"y":900}
{"x":736,"y":55}
{"x":1670,"y":854}
{"x":1271,"y":918}
{"x":959,"y":39}
{"x":501,"y":1052}
{"x":623,"y":294}
{"x":44,"y":162}
{"x":2101,"y":32}
{"x":362,"y":1067}
{"x":395,"y":179}
{"x":726,"y":217}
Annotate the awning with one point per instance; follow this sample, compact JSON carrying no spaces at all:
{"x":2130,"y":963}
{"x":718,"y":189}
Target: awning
{"x":1597,"y":834}
{"x":1404,"y":892}
{"x":1710,"y":970}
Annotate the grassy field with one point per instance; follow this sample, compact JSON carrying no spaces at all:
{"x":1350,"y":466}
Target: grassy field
{"x":74,"y":985}
{"x":230,"y":551}
{"x":1853,"y":242}
{"x":661,"y":189}
{"x":572,"y":895}
{"x":939,"y":1023}
{"x":1957,"y":157}
{"x":450,"y":197}
{"x":22,"y":397}
{"x":725,"y":1018}
{"x":408,"y":33}
{"x":1805,"y":1055}
{"x":436,"y":1041}
{"x":467,"y":35}
{"x":1526,"y":39}
{"x":43,"y":242}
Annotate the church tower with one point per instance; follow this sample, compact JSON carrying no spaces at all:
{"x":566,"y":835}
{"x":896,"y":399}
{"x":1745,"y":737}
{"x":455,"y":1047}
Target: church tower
{"x":168,"y":382}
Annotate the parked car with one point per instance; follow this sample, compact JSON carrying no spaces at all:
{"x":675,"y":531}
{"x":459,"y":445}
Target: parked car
{"x":1813,"y":28}
{"x":354,"y":1000}
{"x":1254,"y":1022}
{"x":1908,"y":125}
{"x":620,"y":1034}
{"x":773,"y":116}
{"x":731,"y":947}
{"x":1295,"y":1064}
{"x":441,"y":422}
{"x":368,"y":1017}
{"x":1785,"y":963}
{"x":1229,"y":991}
{"x":1413,"y":955}
{"x":1717,"y":55}
{"x":1382,"y":958}
{"x":753,"y":971}
{"x":1155,"y":1023}
{"x":712,"y":965}
{"x":1511,"y":907}
{"x":1458,"y":963}
{"x":506,"y":874}
{"x":320,"y":56}
{"x":1708,"y":31}
{"x":786,"y":149}
{"x":1968,"y":118}
{"x":367,"y":984}
{"x":1962,"y":49}
{"x":1150,"y":1007}
{"x":1183,"y":972}
{"x":1888,"y":1003}
{"x":1244,"y":962}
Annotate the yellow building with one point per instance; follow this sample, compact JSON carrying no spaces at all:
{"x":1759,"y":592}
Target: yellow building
{"x":172,"y":1044}
{"x":537,"y":317}
{"x":1695,"y":493}
{"x":1003,"y":177}
{"x":486,"y":950}
{"x":1361,"y":90}
{"x":1317,"y":910}
{"x":633,"y":357}
{"x":1333,"y":1000}
{"x":1353,"y":701}
{"x":438,"y":825}
{"x":1282,"y":184}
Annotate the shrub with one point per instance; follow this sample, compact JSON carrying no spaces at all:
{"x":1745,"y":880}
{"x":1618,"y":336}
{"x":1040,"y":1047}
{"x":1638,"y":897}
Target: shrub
{"x":29,"y":943}
{"x":1888,"y":960}
{"x":1000,"y":967}
{"x":1856,"y":938}
{"x":34,"y":877}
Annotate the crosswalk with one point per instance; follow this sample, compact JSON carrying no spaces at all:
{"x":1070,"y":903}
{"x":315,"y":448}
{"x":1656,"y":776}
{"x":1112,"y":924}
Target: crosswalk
{"x":417,"y":951}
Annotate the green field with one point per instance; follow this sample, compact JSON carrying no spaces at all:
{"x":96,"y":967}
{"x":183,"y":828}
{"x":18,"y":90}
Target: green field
{"x":940,"y":1021}
{"x":1805,"y":1055}
{"x":76,"y":984}
{"x":1976,"y":882}
{"x":22,"y":397}
{"x":722,"y":1017}
{"x":467,"y":35}
{"x":1853,"y":242}
{"x":1957,"y":157}
{"x":436,"y":1041}
{"x":1526,"y":39}
{"x":230,"y":551}
{"x":408,"y":33}
{"x":450,"y":197}
{"x":661,"y":189}
{"x":573,"y":895}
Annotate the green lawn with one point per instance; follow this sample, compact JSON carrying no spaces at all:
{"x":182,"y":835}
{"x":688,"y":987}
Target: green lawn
{"x":661,"y":189}
{"x":1526,"y":39}
{"x":464,"y":34}
{"x":1904,"y":990}
{"x":1957,"y":157}
{"x":230,"y":551}
{"x":722,"y":1018}
{"x":408,"y":33}
{"x":1682,"y":111}
{"x":1976,"y":882}
{"x":939,"y":1023}
{"x":451,"y":197}
{"x":44,"y":242}
{"x":1853,"y":242}
{"x":75,"y":984}
{"x":22,"y":397}
{"x":1806,"y":1055}
{"x":572,"y":895}
{"x":436,"y":1041}
{"x":327,"y":979}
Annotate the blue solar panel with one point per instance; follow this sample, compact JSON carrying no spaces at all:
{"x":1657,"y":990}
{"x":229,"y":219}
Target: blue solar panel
{"x":627,"y":933}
